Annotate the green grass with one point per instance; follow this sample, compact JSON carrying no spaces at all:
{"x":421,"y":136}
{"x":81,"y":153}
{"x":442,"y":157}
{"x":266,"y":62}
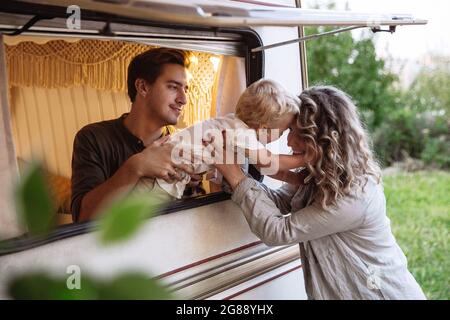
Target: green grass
{"x":418,"y":205}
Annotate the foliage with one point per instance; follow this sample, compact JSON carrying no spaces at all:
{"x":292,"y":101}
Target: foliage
{"x":33,"y":201}
{"x":424,"y":136}
{"x":437,"y":152}
{"x":420,"y":124}
{"x":430,"y":88}
{"x":419,"y":208}
{"x":352,"y":65}
{"x":123,"y":218}
{"x":117,"y":223}
{"x":41,"y":286}
{"x":413,"y":121}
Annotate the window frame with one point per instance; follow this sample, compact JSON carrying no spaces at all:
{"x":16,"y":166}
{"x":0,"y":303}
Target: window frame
{"x":254,"y":69}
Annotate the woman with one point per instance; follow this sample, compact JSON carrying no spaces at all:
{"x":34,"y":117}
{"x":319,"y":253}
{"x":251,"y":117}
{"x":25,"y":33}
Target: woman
{"x":338,"y":215}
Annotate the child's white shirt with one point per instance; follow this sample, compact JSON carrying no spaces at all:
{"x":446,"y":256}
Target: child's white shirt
{"x":190,"y":140}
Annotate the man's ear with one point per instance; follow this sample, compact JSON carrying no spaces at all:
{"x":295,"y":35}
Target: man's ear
{"x":141,"y":87}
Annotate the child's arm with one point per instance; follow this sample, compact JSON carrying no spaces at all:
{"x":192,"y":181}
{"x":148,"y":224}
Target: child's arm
{"x":287,"y":161}
{"x":263,"y":158}
{"x":294,"y":178}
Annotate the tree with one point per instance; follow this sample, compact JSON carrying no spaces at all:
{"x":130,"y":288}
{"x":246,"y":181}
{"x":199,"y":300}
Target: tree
{"x":352,"y":65}
{"x":429,"y":90}
{"x":413,"y":121}
{"x":419,"y":126}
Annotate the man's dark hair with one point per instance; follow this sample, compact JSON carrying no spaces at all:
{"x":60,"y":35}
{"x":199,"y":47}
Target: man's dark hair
{"x":148,"y":66}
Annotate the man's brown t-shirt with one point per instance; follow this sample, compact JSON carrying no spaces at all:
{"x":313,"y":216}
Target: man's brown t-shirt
{"x":99,"y":150}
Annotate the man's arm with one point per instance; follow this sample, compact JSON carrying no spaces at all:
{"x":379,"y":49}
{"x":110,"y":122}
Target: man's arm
{"x":154,"y":162}
{"x":123,"y":181}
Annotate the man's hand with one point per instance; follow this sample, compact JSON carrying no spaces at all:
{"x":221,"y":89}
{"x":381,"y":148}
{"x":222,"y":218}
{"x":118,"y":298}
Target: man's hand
{"x":156,"y":162}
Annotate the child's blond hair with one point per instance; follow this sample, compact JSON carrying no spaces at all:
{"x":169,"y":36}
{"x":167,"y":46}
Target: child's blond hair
{"x":264,"y":102}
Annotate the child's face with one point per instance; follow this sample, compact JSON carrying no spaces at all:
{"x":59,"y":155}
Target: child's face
{"x":274,"y":132}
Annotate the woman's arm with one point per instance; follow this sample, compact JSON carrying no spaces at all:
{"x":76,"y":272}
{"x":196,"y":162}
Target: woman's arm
{"x":281,"y":197}
{"x":234,"y":175}
{"x":266,"y":222}
{"x":287,"y":161}
{"x":291,"y":177}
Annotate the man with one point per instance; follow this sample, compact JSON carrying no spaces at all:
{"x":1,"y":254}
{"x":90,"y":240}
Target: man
{"x":111,"y":156}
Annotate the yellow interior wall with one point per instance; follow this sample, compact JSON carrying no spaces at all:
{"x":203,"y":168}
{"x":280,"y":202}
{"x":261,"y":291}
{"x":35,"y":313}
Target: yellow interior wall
{"x":45,"y":121}
{"x":46,"y":115}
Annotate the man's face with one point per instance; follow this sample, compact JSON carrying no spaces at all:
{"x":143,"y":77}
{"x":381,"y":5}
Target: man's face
{"x":167,"y":95}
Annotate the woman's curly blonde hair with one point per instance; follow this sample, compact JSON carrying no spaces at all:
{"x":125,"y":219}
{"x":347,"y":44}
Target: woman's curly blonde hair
{"x":334,"y":135}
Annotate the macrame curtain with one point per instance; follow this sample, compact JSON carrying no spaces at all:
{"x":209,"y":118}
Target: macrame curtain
{"x":101,"y":65}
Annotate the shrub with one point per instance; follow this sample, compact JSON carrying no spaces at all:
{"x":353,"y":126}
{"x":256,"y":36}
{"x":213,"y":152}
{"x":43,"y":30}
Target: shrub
{"x":422,"y":136}
{"x":436,"y":151}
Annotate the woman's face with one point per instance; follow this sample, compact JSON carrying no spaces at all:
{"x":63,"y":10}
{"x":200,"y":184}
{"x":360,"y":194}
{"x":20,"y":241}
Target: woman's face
{"x":294,"y":141}
{"x":298,"y":144}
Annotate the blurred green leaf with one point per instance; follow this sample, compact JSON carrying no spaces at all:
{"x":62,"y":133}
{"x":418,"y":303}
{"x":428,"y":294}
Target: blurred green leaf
{"x":40,"y":286}
{"x":134,"y":286}
{"x":34,"y":202}
{"x":123,"y":218}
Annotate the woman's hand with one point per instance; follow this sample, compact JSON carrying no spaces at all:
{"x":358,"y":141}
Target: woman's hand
{"x":231,"y":172}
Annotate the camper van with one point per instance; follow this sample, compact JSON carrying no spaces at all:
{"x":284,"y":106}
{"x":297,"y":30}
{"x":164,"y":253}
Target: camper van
{"x":63,"y":65}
